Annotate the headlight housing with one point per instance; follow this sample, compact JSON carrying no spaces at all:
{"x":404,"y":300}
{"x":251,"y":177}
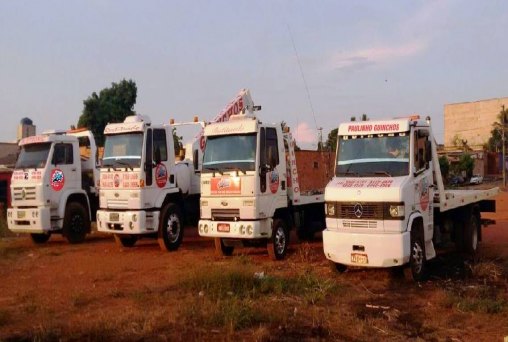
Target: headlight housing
{"x":396,"y":210}
{"x":330,"y":209}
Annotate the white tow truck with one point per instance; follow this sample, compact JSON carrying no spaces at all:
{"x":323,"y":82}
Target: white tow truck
{"x":387,"y":206}
{"x":250,"y":192}
{"x":145,"y":190}
{"x":53,"y":186}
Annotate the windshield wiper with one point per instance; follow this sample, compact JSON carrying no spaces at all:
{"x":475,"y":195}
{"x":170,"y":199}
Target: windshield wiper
{"x":213,"y":169}
{"x":123,"y":163}
{"x":233,"y":168}
{"x":381,"y":173}
{"x":348,"y":173}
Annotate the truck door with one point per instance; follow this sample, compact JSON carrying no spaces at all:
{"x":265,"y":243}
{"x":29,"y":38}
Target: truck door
{"x":156,"y":164}
{"x":64,"y":170}
{"x":423,"y":180}
{"x":271,"y":170}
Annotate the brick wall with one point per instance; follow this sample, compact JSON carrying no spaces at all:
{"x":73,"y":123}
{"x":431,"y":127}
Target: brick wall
{"x":315,"y":169}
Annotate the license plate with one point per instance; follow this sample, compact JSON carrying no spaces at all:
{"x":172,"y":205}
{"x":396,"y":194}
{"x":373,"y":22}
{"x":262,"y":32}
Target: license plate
{"x":114,"y":216}
{"x":21,"y":214}
{"x":223,"y":227}
{"x":357,"y":258}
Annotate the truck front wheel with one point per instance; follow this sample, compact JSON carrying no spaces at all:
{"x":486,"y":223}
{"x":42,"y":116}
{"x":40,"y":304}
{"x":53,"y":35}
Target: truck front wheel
{"x":76,"y":223}
{"x":278,"y":244}
{"x":170,"y":228}
{"x":417,"y":262}
{"x":221,"y":249}
{"x":40,"y":238}
{"x":125,"y":240}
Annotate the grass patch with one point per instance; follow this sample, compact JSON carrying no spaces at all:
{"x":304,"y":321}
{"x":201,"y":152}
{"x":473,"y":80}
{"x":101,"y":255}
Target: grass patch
{"x":244,"y":283}
{"x":237,"y":297}
{"x":476,"y":298}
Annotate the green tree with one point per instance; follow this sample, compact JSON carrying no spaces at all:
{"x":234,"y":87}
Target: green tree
{"x":331,"y":141}
{"x":466,"y":164}
{"x":113,"y":104}
{"x":495,"y":142}
{"x":177,"y":142}
{"x":444,"y":165}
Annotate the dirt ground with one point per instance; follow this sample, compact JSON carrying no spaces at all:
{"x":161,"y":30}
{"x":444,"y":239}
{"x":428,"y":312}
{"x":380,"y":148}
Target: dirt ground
{"x":98,"y":291}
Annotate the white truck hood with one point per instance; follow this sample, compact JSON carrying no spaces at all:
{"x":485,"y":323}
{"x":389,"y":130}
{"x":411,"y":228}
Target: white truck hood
{"x":375,"y":189}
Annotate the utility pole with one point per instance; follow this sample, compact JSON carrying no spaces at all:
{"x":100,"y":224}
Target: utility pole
{"x":503,"y":125}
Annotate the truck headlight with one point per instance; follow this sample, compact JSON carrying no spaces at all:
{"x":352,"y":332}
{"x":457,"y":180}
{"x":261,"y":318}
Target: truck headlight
{"x":396,"y":210}
{"x":330,"y":209}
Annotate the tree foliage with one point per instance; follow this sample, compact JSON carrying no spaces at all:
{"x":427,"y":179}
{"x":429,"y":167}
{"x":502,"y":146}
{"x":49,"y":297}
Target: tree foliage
{"x":444,"y":165}
{"x":495,"y":142}
{"x":113,"y":104}
{"x":331,"y":141}
{"x":177,"y":142}
{"x":465,"y":164}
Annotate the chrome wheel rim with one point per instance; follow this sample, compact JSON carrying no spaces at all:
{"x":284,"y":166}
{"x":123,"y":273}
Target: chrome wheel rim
{"x":417,"y":254}
{"x":280,"y":240}
{"x":173,"y":227}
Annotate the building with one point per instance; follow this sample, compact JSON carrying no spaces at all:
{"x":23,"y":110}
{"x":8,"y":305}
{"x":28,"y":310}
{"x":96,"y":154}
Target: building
{"x":26,"y":128}
{"x":471,"y":122}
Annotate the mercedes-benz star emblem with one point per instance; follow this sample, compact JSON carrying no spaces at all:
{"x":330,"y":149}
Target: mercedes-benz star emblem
{"x":358,"y":210}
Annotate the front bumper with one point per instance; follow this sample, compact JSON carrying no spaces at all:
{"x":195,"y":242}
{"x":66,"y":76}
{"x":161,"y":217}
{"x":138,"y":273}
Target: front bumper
{"x":380,"y":249}
{"x":127,"y":222}
{"x":29,"y":220}
{"x":258,"y":229}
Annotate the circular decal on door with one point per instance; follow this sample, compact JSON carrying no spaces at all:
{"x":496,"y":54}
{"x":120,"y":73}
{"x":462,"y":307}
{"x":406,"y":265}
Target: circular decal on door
{"x":274,"y":181}
{"x":161,"y":175}
{"x":57,"y":179}
{"x":424,"y":194}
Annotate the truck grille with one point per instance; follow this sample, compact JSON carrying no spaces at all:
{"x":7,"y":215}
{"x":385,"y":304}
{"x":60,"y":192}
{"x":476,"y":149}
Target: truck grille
{"x":359,"y":224}
{"x":23,"y":193}
{"x":118,"y":203}
{"x":373,"y":211}
{"x":225,"y":214}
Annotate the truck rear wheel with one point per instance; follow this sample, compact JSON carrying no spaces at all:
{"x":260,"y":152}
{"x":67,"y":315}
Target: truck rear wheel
{"x":170,"y":228}
{"x":278,"y":244}
{"x":76,"y":223}
{"x":417,"y":261}
{"x":221,"y":249}
{"x":125,"y":240}
{"x":40,"y":238}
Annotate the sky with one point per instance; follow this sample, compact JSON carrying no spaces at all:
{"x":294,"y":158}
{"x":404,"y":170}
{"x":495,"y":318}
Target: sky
{"x":312,"y":64}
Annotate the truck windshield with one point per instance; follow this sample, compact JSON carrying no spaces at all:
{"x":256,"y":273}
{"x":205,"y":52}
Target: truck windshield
{"x":33,"y":156}
{"x":123,"y":150}
{"x":373,"y":156}
{"x":230,"y":152}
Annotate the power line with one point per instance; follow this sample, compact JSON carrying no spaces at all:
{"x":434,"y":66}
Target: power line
{"x":303,"y":77}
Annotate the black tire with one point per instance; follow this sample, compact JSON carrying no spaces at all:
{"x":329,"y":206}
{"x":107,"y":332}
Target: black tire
{"x":76,"y":223}
{"x":221,"y":249}
{"x":39,"y":239}
{"x":472,"y":228}
{"x":125,"y":240}
{"x":417,"y":259}
{"x":340,"y":268}
{"x":170,"y":228}
{"x":277,"y":245}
